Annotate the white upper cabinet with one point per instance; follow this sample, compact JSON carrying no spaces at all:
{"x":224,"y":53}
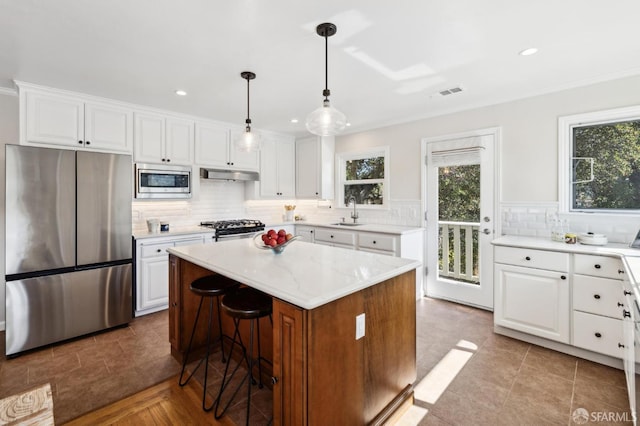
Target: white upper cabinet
{"x":315,"y":167}
{"x":163,"y":139}
{"x":214,"y":147}
{"x":50,"y":118}
{"x":277,"y":167}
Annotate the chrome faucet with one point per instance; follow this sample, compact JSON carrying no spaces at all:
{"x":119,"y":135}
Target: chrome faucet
{"x":354,"y":215}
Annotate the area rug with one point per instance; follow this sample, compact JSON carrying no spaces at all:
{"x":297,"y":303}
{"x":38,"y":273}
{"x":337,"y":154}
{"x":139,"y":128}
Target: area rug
{"x":33,"y":407}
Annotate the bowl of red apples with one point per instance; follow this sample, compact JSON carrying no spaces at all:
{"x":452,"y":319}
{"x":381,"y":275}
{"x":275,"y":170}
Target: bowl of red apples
{"x":274,"y":240}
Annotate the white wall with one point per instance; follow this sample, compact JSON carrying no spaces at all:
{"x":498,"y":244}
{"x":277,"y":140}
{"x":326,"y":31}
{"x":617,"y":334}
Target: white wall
{"x":8,"y":134}
{"x":529,"y":144}
{"x":529,"y":154}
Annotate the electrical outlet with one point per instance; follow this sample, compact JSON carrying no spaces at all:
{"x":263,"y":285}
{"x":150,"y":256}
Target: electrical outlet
{"x":359,"y":326}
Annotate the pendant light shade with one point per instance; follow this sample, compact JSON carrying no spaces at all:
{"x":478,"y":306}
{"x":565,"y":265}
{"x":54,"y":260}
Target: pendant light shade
{"x":248,"y":141}
{"x":326,"y":120}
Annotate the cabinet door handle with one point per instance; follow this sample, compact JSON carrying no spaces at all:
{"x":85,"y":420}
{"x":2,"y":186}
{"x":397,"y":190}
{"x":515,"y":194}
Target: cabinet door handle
{"x":563,"y":277}
{"x":158,"y":250}
{"x":88,"y":142}
{"x":627,"y":293}
{"x":274,"y":380}
{"x":80,"y":142}
{"x":598,"y":335}
{"x":621,"y":271}
{"x":163,"y":160}
{"x":596,"y":296}
{"x":597,"y":266}
{"x":620,"y":305}
{"x":374,"y":241}
{"x":331,"y":236}
{"x":620,"y":345}
{"x":168,"y":160}
{"x":527,"y":258}
{"x":626,"y":314}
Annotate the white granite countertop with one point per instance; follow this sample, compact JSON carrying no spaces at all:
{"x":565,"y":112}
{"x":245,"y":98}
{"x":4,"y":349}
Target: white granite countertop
{"x":365,"y":227}
{"x":305,"y":274}
{"x":173,"y":232}
{"x":611,"y":249}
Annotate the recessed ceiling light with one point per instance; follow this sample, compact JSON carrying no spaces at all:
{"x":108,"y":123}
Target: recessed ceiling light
{"x":348,"y":124}
{"x":294,"y":120}
{"x":181,"y":93}
{"x":529,"y":51}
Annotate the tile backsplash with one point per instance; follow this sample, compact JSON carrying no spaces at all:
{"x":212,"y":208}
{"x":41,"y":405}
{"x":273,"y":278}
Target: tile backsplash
{"x":216,"y":200}
{"x":536,"y":220}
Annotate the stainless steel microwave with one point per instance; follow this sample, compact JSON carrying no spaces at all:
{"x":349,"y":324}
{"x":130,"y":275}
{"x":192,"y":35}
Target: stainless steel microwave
{"x":162,"y":181}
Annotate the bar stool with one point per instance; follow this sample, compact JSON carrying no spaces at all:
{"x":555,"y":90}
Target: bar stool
{"x":244,"y":304}
{"x":211,"y":287}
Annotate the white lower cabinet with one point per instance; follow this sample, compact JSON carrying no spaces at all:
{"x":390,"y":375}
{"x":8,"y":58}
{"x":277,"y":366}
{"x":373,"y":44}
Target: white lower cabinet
{"x":572,"y":298}
{"x":598,"y":334}
{"x":306,"y":233}
{"x":535,"y":301}
{"x":335,"y":238}
{"x":152,"y":271}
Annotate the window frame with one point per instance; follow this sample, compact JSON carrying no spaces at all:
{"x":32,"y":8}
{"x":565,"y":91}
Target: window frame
{"x":565,"y":147}
{"x":343,"y":157}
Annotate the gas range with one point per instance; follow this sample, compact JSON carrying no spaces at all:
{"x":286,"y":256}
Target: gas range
{"x":234,"y":228}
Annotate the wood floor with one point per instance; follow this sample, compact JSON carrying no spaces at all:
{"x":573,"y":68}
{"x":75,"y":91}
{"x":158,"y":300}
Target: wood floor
{"x":163,"y":404}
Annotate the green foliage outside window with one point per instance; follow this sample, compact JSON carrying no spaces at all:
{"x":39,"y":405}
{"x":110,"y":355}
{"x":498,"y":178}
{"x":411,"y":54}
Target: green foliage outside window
{"x":614,"y":150}
{"x":364,"y":177}
{"x":459,"y":201}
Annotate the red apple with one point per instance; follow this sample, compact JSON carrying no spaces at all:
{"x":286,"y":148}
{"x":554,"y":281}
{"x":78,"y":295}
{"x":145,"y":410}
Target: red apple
{"x":281,"y":240}
{"x":289,"y":236}
{"x":271,"y":232}
{"x":272,"y":243}
{"x":282,"y":233}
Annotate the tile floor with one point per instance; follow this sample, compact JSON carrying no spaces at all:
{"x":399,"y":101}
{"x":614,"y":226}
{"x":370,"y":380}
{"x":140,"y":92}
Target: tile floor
{"x":471,"y":375}
{"x":503,"y":381}
{"x":94,"y":371}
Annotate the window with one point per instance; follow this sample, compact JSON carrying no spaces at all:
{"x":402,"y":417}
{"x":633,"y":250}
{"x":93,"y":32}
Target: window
{"x":600,"y":161}
{"x":363,"y":175}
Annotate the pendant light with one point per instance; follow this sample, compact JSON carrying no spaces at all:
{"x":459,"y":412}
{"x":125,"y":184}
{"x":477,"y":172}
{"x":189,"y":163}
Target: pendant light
{"x":248,"y":141}
{"x":326,"y":120}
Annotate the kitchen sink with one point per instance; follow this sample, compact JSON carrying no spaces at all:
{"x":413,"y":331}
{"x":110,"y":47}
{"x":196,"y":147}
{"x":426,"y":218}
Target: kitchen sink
{"x":347,"y":224}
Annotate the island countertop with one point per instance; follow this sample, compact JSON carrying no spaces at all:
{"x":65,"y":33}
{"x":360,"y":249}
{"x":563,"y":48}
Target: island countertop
{"x":305,"y":274}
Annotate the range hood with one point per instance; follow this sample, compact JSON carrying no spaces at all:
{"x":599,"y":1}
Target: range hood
{"x":221,"y":174}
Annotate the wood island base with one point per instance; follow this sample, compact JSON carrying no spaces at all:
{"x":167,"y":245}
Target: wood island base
{"x":321,"y":373}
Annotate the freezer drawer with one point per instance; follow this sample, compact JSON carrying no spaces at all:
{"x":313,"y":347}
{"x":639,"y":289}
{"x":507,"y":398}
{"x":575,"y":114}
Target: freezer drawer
{"x":52,"y":308}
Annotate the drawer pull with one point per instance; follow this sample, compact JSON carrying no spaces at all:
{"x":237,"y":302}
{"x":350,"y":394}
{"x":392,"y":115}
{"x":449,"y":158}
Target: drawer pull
{"x":527,"y":258}
{"x":620,"y":271}
{"x":620,"y":345}
{"x":626,"y":314}
{"x":158,"y":250}
{"x":596,"y":296}
{"x":331,"y":236}
{"x":620,"y":305}
{"x":374,"y":241}
{"x":627,"y":293}
{"x":563,"y":277}
{"x":598,"y":335}
{"x":597,"y":266}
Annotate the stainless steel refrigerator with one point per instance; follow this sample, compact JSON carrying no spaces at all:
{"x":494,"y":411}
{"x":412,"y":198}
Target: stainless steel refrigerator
{"x":68,"y":244}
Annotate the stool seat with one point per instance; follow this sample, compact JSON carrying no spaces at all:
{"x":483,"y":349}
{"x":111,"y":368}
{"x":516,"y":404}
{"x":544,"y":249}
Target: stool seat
{"x":212,"y":285}
{"x":247,"y":303}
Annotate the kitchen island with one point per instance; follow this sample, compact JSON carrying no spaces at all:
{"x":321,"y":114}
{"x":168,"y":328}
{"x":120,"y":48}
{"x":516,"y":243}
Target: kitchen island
{"x":323,"y":372}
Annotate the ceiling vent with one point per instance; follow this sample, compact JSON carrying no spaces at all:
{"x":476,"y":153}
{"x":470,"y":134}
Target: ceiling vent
{"x":450,"y":91}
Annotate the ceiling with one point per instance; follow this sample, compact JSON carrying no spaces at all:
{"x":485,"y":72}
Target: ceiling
{"x":387,"y":63}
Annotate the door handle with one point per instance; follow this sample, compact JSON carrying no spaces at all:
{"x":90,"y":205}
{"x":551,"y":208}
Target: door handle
{"x":486,"y":231}
{"x":487,"y":219}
